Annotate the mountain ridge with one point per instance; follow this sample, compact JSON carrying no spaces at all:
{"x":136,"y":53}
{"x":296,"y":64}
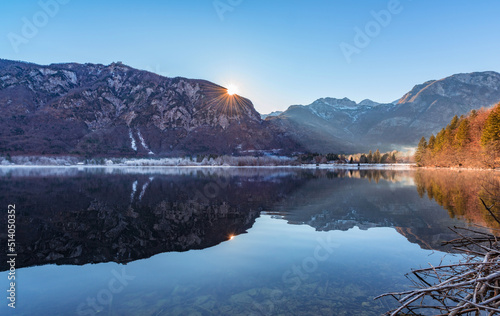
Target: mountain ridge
{"x":342,"y":125}
{"x":93,"y":109}
{"x":117,"y":110}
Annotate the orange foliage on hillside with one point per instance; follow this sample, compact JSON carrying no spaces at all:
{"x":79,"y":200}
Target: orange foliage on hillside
{"x":471,"y":141}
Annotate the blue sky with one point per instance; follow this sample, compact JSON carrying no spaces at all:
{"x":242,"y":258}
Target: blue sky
{"x":278,"y":53}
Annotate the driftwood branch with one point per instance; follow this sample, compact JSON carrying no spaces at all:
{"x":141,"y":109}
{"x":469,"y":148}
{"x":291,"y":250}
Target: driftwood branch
{"x":490,"y":210}
{"x":469,"y":287}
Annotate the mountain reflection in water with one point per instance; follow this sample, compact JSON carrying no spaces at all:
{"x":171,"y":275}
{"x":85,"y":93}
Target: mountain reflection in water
{"x":78,"y":216}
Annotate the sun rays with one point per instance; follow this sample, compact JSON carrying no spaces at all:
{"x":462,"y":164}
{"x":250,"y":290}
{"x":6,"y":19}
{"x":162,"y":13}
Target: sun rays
{"x":227,"y":100}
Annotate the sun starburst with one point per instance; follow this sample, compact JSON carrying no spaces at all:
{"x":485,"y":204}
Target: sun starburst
{"x":232,"y":89}
{"x":225,"y":100}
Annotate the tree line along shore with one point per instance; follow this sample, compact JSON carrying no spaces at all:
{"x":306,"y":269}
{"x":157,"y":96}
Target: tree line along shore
{"x":471,"y":141}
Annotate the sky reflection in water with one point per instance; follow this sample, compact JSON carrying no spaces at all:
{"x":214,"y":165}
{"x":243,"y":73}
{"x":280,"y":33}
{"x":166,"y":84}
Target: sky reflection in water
{"x":278,"y":267}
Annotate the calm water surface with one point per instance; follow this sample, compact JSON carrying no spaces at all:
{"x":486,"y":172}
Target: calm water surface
{"x":163,"y":241}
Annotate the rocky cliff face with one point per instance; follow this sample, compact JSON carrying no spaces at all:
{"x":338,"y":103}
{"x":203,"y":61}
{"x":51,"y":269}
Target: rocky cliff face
{"x":117,"y":110}
{"x":341,"y":125}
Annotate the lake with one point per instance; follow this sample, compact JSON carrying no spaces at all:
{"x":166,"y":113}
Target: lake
{"x":228,"y":241}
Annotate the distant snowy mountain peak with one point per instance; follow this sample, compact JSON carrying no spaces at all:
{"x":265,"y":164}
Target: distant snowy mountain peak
{"x":342,"y":125}
{"x":345,"y":102}
{"x":275,"y":113}
{"x":368,"y":102}
{"x":488,"y":79}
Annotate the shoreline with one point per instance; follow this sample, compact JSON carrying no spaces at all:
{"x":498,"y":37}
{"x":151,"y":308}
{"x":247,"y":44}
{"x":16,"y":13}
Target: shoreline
{"x":458,"y":168}
{"x":305,"y":166}
{"x":399,"y":167}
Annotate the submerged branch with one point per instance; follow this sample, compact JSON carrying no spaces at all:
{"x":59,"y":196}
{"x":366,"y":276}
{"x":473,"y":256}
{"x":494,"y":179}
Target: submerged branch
{"x":465,"y":288}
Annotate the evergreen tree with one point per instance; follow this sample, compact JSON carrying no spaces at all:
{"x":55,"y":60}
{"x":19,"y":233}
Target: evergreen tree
{"x":432,"y":142}
{"x":376,"y":156}
{"x":420,"y":153}
{"x":332,"y":157}
{"x":440,"y":141}
{"x":393,"y":158}
{"x":473,"y":140}
{"x":491,"y":130}
{"x":462,"y":135}
{"x":370,"y":157}
{"x":473,"y":114}
{"x":363,"y":159}
{"x":454,"y":123}
{"x":386,"y":158}
{"x":449,"y":133}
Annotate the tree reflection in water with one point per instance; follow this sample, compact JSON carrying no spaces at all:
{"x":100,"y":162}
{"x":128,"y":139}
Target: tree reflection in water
{"x":460,"y":193}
